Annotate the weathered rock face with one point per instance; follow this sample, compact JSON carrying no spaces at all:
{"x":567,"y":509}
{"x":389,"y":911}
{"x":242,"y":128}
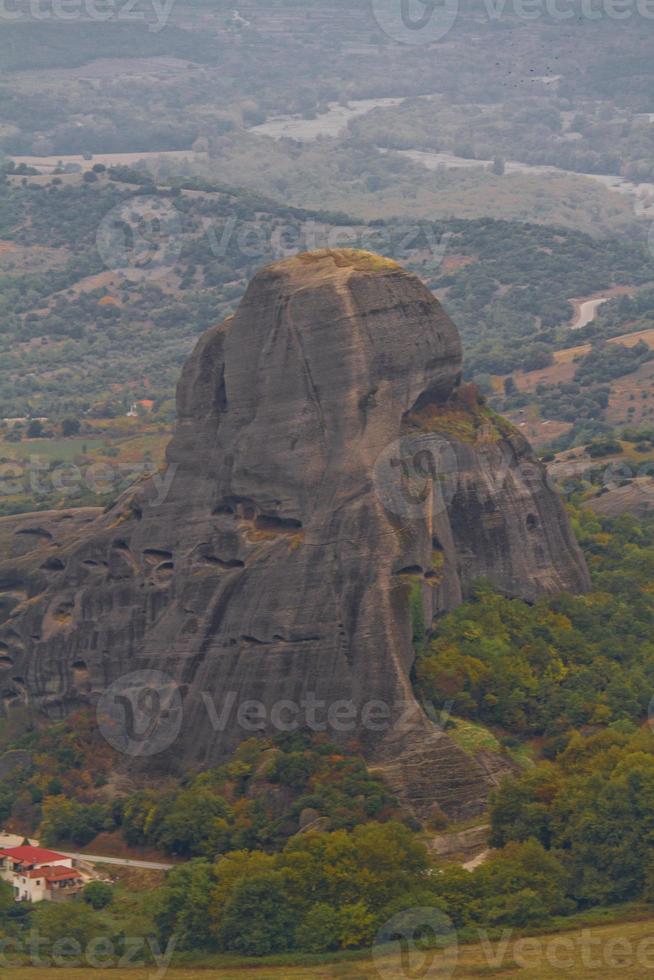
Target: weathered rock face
{"x":329,"y":488}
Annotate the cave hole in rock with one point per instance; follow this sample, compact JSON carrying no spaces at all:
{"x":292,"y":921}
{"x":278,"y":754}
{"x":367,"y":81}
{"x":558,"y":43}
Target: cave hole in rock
{"x":211,"y":559}
{"x":223,"y":509}
{"x":35,"y":532}
{"x":154,"y":556}
{"x":531,"y":522}
{"x":53,"y":565}
{"x":272,"y":522}
{"x":244,"y":508}
{"x":63,"y":612}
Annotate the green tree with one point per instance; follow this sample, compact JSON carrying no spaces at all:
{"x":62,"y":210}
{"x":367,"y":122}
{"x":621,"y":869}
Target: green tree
{"x":258,"y":919}
{"x":195,"y":825}
{"x":98,"y":894}
{"x":78,"y":923}
{"x":182,"y":906}
{"x":6,"y":898}
{"x":321,"y":929}
{"x":70,"y":427}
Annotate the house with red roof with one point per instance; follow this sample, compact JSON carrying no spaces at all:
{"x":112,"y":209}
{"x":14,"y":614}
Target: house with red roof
{"x":38,"y":874}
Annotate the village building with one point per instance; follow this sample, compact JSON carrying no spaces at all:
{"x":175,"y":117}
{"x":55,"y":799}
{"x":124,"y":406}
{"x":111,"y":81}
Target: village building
{"x":37,"y":874}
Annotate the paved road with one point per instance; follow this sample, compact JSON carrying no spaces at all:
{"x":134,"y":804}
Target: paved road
{"x":123,"y":862}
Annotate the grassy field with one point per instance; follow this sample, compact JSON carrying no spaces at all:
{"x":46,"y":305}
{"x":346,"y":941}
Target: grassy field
{"x":38,"y":474}
{"x":621,"y":949}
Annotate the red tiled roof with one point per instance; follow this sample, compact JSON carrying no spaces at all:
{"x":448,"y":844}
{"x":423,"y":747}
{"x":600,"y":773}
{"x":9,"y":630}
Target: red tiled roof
{"x":31,"y":855}
{"x":53,"y":874}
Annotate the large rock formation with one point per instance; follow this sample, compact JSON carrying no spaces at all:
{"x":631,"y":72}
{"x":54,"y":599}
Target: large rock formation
{"x":330,"y":490}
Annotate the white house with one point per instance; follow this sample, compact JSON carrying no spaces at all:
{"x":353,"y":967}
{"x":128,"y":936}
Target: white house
{"x":37,"y":874}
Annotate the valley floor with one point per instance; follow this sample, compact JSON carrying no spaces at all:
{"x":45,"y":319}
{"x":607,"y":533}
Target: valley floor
{"x":622,"y":949}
